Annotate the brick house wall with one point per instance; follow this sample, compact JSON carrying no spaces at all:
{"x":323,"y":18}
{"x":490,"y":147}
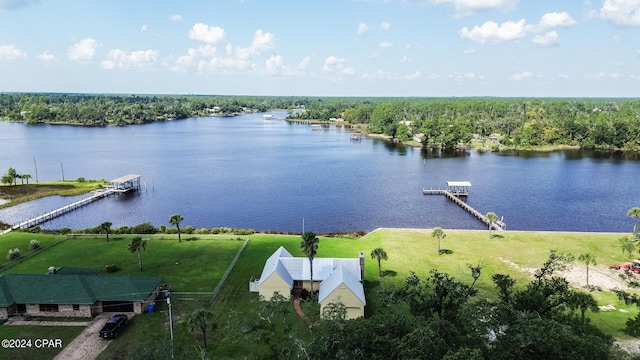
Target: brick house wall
{"x":64,"y":310}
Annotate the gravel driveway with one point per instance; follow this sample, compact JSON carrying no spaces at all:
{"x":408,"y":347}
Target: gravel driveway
{"x":87,"y":345}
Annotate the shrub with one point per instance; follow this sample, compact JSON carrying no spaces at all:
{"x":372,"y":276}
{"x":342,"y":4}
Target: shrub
{"x":34,"y":230}
{"x":81,"y":179}
{"x":111,"y":268}
{"x":34,"y":244}
{"x":64,"y":230}
{"x":13,"y":254}
{"x":163,"y":229}
{"x":188,"y":230}
{"x":144,"y":228}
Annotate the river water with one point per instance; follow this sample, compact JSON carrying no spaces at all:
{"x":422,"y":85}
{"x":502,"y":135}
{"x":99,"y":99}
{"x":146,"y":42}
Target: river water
{"x":246,"y":172}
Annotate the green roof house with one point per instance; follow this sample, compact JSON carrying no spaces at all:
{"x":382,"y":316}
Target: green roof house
{"x":75,"y":295}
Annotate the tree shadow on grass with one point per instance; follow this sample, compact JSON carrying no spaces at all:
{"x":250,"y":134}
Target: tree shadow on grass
{"x":497,"y":236}
{"x":446,"y":252}
{"x":389,"y":273}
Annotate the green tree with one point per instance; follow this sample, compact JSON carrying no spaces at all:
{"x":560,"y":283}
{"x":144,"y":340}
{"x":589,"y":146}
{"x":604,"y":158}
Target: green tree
{"x":13,"y":175}
{"x":491,"y":218}
{"x":105,"y":227}
{"x":136,"y":245}
{"x":7,"y":180}
{"x":379,"y":254}
{"x":439,"y":234}
{"x":25,"y":177}
{"x":587,"y":259}
{"x":176,"y":219}
{"x":201,"y":320}
{"x":627,"y":246}
{"x":309,"y":245}
{"x":634,"y":212}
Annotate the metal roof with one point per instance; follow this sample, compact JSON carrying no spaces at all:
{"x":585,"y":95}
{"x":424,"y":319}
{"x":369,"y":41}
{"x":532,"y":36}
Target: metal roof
{"x":338,"y":277}
{"x":458,"y":183}
{"x":125,"y":179}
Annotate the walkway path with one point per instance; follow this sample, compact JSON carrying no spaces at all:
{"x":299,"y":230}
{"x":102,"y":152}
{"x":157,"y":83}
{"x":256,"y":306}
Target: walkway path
{"x":296,"y":304}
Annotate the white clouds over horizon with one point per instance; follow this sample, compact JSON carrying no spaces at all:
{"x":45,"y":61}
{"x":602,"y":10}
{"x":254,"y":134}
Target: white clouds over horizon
{"x":141,"y":59}
{"x":204,"y":33}
{"x":362,"y":28}
{"x":83,"y":50}
{"x":11,"y":52}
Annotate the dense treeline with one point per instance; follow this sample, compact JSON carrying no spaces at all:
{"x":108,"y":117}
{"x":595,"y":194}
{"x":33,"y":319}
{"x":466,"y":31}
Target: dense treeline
{"x":525,"y":123}
{"x":443,"y":122}
{"x":101,"y":110}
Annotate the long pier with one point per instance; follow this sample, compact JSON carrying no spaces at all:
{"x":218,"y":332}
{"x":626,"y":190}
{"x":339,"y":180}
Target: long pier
{"x":63,"y":210}
{"x":119,"y":185}
{"x":454,"y":196}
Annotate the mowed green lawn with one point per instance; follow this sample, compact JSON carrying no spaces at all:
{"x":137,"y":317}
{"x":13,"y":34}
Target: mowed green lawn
{"x":198,"y":266}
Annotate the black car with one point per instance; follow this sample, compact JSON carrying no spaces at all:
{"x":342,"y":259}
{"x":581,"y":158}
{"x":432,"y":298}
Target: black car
{"x":113,"y":325}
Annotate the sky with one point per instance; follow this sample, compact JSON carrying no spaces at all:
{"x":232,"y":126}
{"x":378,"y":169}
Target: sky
{"x":390,"y":48}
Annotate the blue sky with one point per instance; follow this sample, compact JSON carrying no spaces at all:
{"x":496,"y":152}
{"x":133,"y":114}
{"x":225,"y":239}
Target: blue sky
{"x":538,"y":48}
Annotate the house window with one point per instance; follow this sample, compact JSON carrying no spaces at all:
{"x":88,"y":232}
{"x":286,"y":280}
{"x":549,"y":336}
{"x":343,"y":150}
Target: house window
{"x":76,"y":307}
{"x":49,"y":307}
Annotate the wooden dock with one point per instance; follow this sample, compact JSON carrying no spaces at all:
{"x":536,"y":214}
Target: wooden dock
{"x":455,"y":197}
{"x":63,"y":210}
{"x":119,"y":185}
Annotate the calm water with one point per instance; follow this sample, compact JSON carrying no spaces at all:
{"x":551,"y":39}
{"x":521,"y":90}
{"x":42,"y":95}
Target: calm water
{"x":245,"y":172}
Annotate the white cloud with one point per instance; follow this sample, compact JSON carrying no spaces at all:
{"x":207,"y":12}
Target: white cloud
{"x":547,"y":40}
{"x":564,"y":76}
{"x":175,"y":17}
{"x":47,"y":57}
{"x":207,"y":58}
{"x":554,"y":20}
{"x":10,"y":52}
{"x":385,"y":44}
{"x":405,"y":60}
{"x":362,"y":28}
{"x":16,"y":4}
{"x":335,"y":65}
{"x":603,"y":75}
{"x":468,"y":76}
{"x":385,"y":25}
{"x":303,"y":64}
{"x":522,"y":75}
{"x":275,"y":64}
{"x":205,"y":33}
{"x":141,"y":59}
{"x":83,"y":50}
{"x":469,"y":51}
{"x":144,"y":28}
{"x":385,"y":75}
{"x":625,"y":13}
{"x":492,"y":33}
{"x":262,"y":41}
{"x":467,"y":7}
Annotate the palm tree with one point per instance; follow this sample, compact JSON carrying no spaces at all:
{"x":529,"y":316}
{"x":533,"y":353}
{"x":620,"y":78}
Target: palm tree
{"x":106,"y":227}
{"x":176,"y":219}
{"x":26,"y":176}
{"x":491,"y":218}
{"x":587,"y":259}
{"x":201,"y":320}
{"x":634,"y":212}
{"x":136,"y":245}
{"x":438,"y":233}
{"x":379,"y":254}
{"x":309,"y":245}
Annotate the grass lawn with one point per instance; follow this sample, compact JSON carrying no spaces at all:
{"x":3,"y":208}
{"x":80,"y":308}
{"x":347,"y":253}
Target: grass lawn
{"x":28,"y":332}
{"x":194,"y":266}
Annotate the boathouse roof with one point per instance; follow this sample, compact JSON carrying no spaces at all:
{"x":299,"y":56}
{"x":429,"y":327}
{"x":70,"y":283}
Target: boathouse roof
{"x":125,"y":179}
{"x":458,"y":183}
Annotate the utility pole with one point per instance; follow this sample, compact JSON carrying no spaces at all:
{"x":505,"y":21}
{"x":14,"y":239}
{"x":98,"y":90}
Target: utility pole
{"x":36,"y":165}
{"x":170,"y":321}
{"x":62,"y":169}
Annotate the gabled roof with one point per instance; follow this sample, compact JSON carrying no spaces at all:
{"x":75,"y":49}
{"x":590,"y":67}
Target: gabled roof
{"x":338,"y":277}
{"x":73,"y":289}
{"x":299,"y":267}
{"x":291,"y":268}
{"x":273,"y":265}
